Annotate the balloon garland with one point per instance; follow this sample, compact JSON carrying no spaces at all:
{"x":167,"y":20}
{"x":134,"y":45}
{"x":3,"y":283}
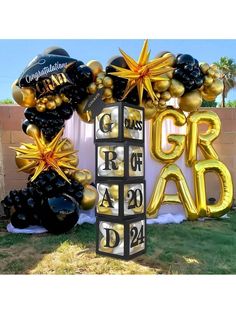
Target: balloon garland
{"x":54,"y":85}
{"x":51,"y":87}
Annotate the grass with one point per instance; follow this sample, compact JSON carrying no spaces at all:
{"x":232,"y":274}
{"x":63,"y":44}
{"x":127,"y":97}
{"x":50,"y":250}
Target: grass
{"x":207,"y":247}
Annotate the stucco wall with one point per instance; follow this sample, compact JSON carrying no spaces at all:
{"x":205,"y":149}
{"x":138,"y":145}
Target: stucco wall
{"x":11,"y":118}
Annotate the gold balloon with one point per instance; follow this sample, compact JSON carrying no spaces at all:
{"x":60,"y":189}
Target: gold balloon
{"x":107,"y":93}
{"x":105,"y":209}
{"x":114,"y":131}
{"x":226,"y":197}
{"x":58,"y":100}
{"x":208,"y":80}
{"x":190,"y":101}
{"x":120,"y":171}
{"x":109,"y":101}
{"x":203,"y":140}
{"x":120,"y":229}
{"x":92,"y":88}
{"x":68,"y":145}
{"x":24,"y":96}
{"x":171,"y":172}
{"x":208,"y":97}
{"x":114,"y":191}
{"x":161,"y":86}
{"x":211,"y":72}
{"x":177,"y":140}
{"x":90,"y":196}
{"x":80,"y":177}
{"x":204,"y":67}
{"x":85,"y":116}
{"x":166,"y":96}
{"x":89,"y":176}
{"x":216,"y":87}
{"x":149,"y":112}
{"x":107,"y":81}
{"x":40,"y":107}
{"x":28,"y":164}
{"x":103,"y":248}
{"x":134,"y":114}
{"x":95,"y":66}
{"x":214,"y":67}
{"x":32,"y":130}
{"x":103,"y":149}
{"x":171,"y":60}
{"x":176,"y":88}
{"x":51,"y":105}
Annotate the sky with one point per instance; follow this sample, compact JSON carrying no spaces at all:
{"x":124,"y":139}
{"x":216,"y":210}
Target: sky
{"x":16,"y":54}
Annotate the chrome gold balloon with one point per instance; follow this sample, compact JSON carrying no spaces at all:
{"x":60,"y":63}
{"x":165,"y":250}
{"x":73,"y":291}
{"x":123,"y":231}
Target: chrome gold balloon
{"x":89,"y":176}
{"x":92,"y":88}
{"x":40,"y":107}
{"x":95,"y":66}
{"x":208,"y":80}
{"x":24,"y":96}
{"x":103,"y":248}
{"x":161,"y":86}
{"x":107,"y":92}
{"x":85,"y":116}
{"x":90,"y":196}
{"x":107,"y":82}
{"x":176,"y":88}
{"x":171,"y":172}
{"x":51,"y":105}
{"x":226,"y":196}
{"x":114,"y":191}
{"x":204,"y":67}
{"x":216,"y":87}
{"x":190,"y":101}
{"x":166,"y":96}
{"x":32,"y":130}
{"x":25,"y":164}
{"x":80,"y":177}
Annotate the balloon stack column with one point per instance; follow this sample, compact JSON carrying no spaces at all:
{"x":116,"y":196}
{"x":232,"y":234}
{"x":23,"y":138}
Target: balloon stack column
{"x":121,"y":222}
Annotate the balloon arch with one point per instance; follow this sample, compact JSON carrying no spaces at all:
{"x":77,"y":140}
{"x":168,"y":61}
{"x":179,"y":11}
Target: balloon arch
{"x":170,"y":89}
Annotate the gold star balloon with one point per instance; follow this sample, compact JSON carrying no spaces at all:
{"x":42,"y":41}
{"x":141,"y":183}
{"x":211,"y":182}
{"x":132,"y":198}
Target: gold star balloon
{"x":143,"y":72}
{"x":42,"y":155}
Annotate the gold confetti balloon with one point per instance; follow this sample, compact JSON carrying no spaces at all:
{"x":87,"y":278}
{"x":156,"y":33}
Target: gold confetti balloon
{"x":92,"y":88}
{"x":90,"y":196}
{"x":107,"y":81}
{"x":208,"y":97}
{"x":190,"y":101}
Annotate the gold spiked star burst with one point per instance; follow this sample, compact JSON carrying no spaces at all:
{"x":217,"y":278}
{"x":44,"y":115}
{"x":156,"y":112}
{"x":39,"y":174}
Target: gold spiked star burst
{"x":143,"y":72}
{"x":42,"y":156}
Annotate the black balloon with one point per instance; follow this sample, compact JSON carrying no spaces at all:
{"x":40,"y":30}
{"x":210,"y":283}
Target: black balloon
{"x":20,"y":220}
{"x":59,"y":214}
{"x":25,"y":125}
{"x":188,"y":72}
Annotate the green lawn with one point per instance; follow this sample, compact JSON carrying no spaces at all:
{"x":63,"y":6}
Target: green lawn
{"x":207,"y":247}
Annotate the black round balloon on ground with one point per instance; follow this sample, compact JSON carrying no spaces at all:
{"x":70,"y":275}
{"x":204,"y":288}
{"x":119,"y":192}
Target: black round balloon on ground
{"x":20,"y":220}
{"x":59,"y":214}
